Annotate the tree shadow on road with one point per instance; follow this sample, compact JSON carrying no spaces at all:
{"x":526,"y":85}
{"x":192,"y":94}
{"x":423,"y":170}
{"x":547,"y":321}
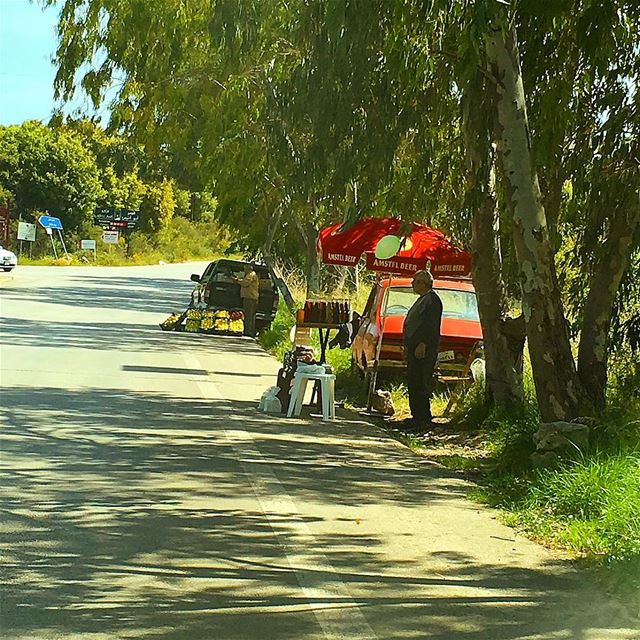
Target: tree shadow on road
{"x":115,"y":336}
{"x":159,"y":295}
{"x":138,"y":515}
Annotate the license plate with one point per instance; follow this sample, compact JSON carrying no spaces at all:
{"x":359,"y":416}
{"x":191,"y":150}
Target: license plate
{"x":445,"y":356}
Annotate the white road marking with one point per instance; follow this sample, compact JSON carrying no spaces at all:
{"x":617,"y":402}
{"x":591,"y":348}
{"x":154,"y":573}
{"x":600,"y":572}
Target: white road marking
{"x":319,"y":581}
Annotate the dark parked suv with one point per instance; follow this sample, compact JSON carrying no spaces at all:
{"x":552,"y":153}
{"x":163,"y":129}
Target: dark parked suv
{"x":217,"y":288}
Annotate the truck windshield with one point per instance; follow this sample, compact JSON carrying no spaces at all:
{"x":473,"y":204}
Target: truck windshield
{"x":455,"y":304}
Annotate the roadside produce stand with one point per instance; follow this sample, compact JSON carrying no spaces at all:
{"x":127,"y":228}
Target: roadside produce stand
{"x":215,"y":321}
{"x":390,"y":247}
{"x":324,"y":316}
{"x":393,"y":247}
{"x":203,"y":320}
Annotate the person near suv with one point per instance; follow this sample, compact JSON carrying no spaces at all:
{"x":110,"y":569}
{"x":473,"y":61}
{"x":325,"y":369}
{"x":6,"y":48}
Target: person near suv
{"x":421,"y":342}
{"x":250,"y":294}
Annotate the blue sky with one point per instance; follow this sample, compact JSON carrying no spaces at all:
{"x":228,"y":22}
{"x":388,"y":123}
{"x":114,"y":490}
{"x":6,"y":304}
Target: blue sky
{"x":27,"y":43}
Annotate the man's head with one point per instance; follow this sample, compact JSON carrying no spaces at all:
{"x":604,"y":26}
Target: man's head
{"x":422,"y":282}
{"x":248,"y":268}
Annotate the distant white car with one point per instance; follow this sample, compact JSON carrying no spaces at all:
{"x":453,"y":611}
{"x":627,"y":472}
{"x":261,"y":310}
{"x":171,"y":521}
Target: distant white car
{"x":8,"y":259}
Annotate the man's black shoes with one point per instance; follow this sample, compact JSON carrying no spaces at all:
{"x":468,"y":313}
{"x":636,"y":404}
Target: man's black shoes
{"x":413,"y":424}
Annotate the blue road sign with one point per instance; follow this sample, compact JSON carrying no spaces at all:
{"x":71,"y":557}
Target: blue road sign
{"x":49,"y":222}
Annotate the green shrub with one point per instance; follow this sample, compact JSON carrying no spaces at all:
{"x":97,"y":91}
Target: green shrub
{"x":178,"y":241}
{"x":509,"y":434}
{"x":276,"y":340}
{"x":594,"y":504}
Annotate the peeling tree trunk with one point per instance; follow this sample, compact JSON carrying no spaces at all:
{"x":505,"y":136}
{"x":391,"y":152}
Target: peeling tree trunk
{"x":281,"y":284}
{"x":503,"y":356}
{"x":558,"y":388}
{"x":312,"y":262}
{"x":594,"y":337}
{"x":309,"y":236}
{"x":335,"y":278}
{"x":503,"y":337}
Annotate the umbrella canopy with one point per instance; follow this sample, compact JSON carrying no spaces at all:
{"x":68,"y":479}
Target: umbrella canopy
{"x":422,"y":247}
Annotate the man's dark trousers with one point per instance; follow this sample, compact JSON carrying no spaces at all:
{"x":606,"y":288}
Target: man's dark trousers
{"x":250,"y":307}
{"x":420,"y":385}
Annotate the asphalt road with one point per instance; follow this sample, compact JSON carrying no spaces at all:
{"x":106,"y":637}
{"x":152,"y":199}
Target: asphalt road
{"x":143,"y":496}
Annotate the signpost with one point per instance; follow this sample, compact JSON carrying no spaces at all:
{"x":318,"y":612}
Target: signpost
{"x":110,"y":219}
{"x":117,"y":219}
{"x":50,"y":223}
{"x":26,"y":231}
{"x":110,"y":237}
{"x":89,"y":245}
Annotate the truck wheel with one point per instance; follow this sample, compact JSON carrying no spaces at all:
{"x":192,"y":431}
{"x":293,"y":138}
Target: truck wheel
{"x":262,"y":326}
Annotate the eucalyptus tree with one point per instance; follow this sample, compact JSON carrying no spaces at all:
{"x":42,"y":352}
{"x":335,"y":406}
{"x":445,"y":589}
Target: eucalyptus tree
{"x":582,"y":63}
{"x":479,"y":37}
{"x":602,"y":222}
{"x":382,"y":81}
{"x":580,"y":69}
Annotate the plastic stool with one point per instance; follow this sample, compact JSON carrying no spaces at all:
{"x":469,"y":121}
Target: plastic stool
{"x":327,"y":384}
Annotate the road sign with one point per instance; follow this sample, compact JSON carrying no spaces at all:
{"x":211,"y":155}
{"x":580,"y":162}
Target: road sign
{"x":26,"y":231}
{"x":117,"y":218}
{"x":88,"y":244}
{"x":110,"y":237}
{"x":49,"y":222}
{"x":49,"y":231}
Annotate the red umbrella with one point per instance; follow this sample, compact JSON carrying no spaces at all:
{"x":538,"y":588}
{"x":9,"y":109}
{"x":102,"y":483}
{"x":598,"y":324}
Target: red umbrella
{"x":421,"y":245}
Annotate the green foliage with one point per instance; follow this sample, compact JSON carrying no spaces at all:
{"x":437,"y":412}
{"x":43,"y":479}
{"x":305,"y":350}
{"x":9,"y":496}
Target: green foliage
{"x":179,"y":241}
{"x":68,"y":169}
{"x":591,"y":506}
{"x":6,"y":195}
{"x":276,"y":339}
{"x":50,"y":171}
{"x":157,"y":206}
{"x":182,"y":199}
{"x":126,"y":191}
{"x":509,"y":436}
{"x":204,"y":206}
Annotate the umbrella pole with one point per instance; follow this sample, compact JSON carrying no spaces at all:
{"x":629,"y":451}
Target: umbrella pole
{"x":376,"y":365}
